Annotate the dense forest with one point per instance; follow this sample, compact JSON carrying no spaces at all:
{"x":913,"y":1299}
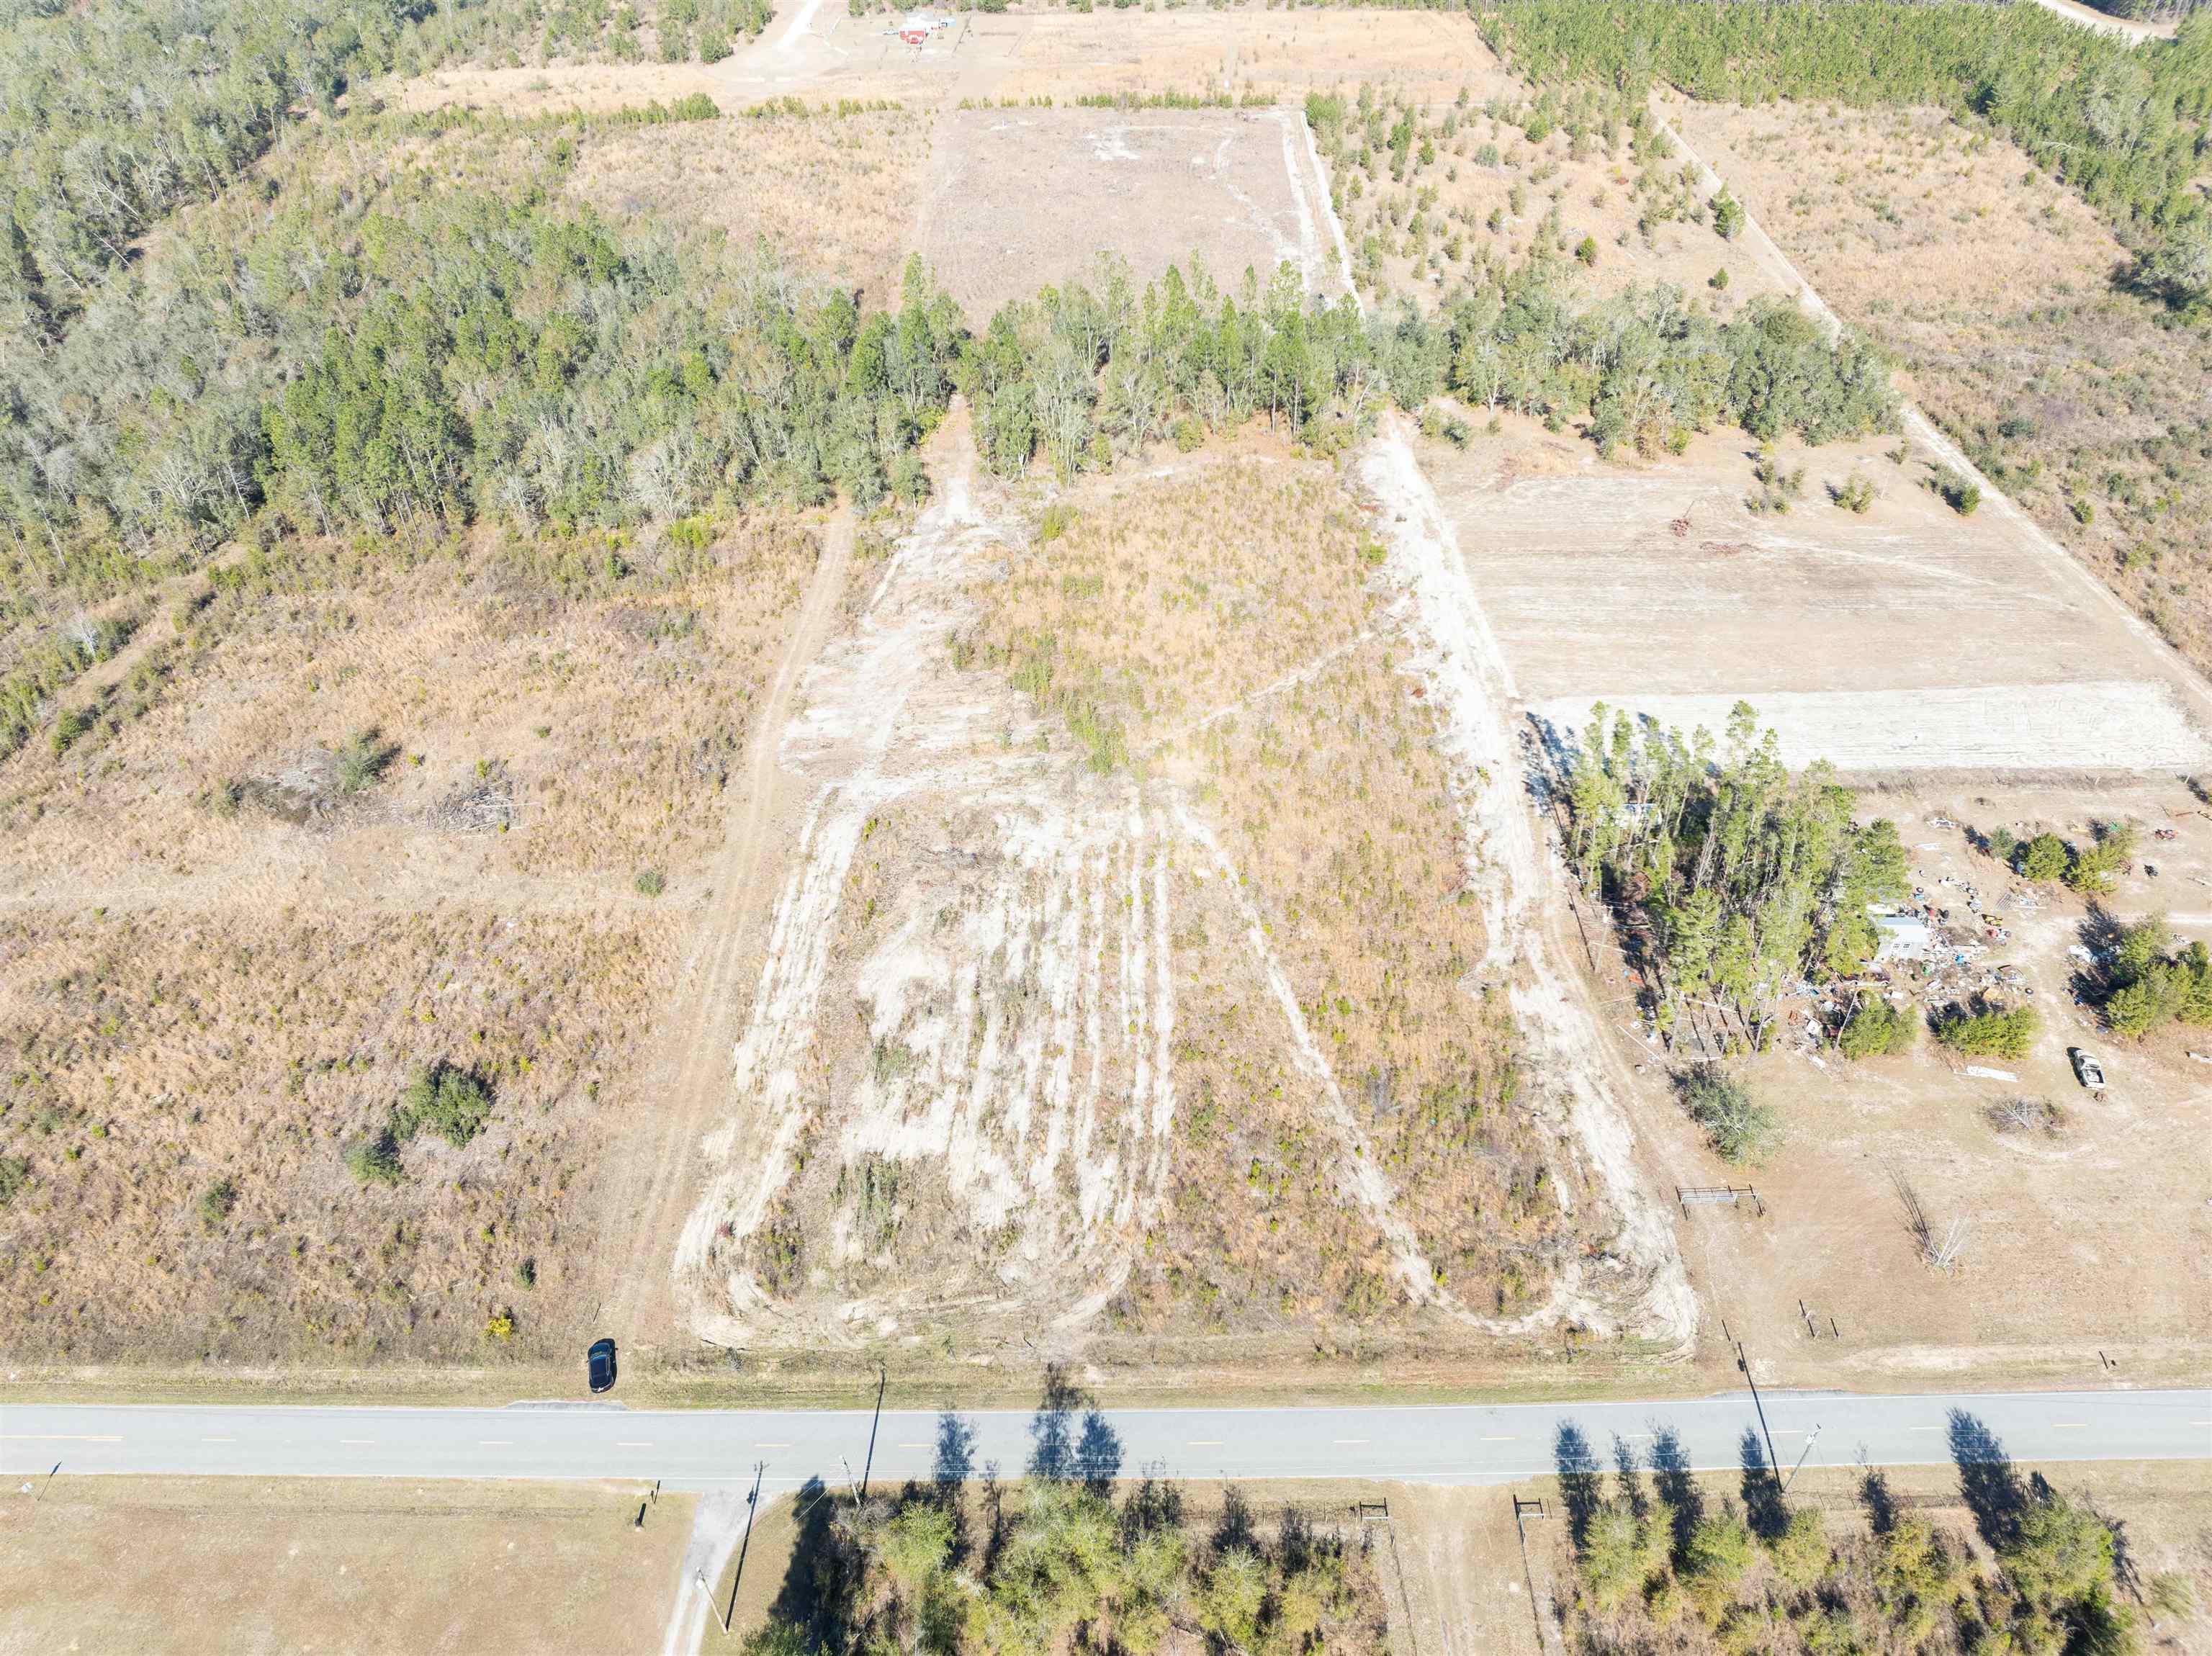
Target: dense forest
{"x":1747,"y":876}
{"x":2124,"y":125}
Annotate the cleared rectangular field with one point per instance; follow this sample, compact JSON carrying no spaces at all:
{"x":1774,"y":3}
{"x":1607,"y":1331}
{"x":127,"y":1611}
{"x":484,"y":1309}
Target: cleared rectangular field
{"x":1017,"y":198}
{"x":1909,"y":637}
{"x":186,"y":1565}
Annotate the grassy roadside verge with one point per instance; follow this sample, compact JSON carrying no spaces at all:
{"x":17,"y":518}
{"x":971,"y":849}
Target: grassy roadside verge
{"x":850,"y":1382}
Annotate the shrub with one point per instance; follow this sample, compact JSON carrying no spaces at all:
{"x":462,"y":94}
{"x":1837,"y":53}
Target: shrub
{"x":1877,"y":1029}
{"x":375,"y":1161}
{"x":1800,"y":1552}
{"x":72,"y":724}
{"x":1728,"y":215}
{"x":1991,"y":1035}
{"x":2046,"y":856}
{"x":650,"y":882}
{"x":15,"y":1174}
{"x":1854,"y":493}
{"x":1718,"y":281}
{"x":217,"y":1202}
{"x":361,"y":760}
{"x":500,"y":1326}
{"x":450,"y":1102}
{"x":1739,"y":1128}
{"x":1586,"y":250}
{"x":1962,"y":495}
{"x":1719,"y":1551}
{"x":2091,"y":871}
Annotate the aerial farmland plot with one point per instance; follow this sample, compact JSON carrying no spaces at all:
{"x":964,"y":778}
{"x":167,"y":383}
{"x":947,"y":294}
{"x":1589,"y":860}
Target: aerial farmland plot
{"x":1018,"y":198}
{"x":1903,"y":637}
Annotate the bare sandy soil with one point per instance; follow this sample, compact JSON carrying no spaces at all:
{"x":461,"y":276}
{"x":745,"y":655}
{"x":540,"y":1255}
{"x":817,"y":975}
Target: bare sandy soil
{"x":1017,"y":198}
{"x":1905,"y":638}
{"x":1117,"y":1050}
{"x":229,"y":1565}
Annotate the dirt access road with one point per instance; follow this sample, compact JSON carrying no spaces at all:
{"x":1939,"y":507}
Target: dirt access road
{"x":653,"y":1165}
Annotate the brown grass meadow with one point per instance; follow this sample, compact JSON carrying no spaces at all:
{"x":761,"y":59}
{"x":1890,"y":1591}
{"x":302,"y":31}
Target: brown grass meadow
{"x":222,"y":955}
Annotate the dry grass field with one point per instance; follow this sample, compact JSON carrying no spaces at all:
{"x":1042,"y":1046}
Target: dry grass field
{"x":1013,"y":58}
{"x":1994,"y":286}
{"x":229,"y":1564}
{"x":1017,"y":198}
{"x":833,"y":194}
{"x":336,"y":821}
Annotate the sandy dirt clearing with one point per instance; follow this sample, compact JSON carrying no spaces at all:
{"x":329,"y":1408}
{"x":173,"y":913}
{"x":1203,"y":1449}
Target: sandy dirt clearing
{"x":2061,"y":568}
{"x":1462,"y":664}
{"x":651,"y":1175}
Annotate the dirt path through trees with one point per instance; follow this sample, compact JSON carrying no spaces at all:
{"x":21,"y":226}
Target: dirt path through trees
{"x":653,"y":1170}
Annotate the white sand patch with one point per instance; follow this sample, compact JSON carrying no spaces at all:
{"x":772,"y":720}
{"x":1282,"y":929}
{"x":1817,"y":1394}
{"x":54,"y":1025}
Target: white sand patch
{"x":1019,"y":1006}
{"x":1461,"y":663}
{"x":1002,"y":1063}
{"x":2096,"y":726}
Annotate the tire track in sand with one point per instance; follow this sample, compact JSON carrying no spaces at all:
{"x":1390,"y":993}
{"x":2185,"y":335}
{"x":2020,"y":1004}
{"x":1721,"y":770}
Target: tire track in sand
{"x":648,"y":1197}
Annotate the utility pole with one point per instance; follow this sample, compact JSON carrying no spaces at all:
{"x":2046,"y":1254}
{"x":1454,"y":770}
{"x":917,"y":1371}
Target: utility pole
{"x":752,"y":1506}
{"x":1743,"y":1362}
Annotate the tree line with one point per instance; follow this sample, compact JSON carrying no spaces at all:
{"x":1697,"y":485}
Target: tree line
{"x":1656,"y":1552}
{"x":1076,"y":376}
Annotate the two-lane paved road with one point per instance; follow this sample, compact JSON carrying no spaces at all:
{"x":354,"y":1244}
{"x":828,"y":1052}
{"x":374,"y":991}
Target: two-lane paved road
{"x":1458,"y":1443}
